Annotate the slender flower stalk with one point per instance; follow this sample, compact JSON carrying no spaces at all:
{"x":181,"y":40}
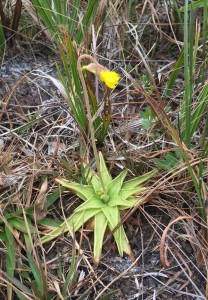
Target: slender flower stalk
{"x":91,"y":128}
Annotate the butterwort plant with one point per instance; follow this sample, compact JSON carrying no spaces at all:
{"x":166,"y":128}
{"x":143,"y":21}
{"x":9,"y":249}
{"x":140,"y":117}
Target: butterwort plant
{"x":103,"y":205}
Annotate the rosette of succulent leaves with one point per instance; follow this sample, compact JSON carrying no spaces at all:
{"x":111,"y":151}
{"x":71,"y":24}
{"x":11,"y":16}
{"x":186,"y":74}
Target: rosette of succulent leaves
{"x":103,"y":207}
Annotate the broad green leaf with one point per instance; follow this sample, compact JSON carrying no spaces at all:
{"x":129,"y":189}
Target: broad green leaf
{"x":118,"y":201}
{"x":104,"y":171}
{"x":124,"y":241}
{"x":131,"y":187}
{"x":99,"y":231}
{"x":75,"y":221}
{"x":126,"y":193}
{"x":132,"y":201}
{"x":116,"y":184}
{"x":146,"y":124}
{"x":113,"y":217}
{"x":92,"y":178}
{"x":3,"y":236}
{"x":85,"y":192}
{"x":95,"y":202}
{"x":168,"y":162}
{"x":95,"y":181}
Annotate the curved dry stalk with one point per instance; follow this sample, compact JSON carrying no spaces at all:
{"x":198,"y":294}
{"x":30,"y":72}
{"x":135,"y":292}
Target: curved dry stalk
{"x":163,"y":246}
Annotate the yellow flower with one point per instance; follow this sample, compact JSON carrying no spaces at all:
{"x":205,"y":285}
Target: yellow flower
{"x":110,"y":78}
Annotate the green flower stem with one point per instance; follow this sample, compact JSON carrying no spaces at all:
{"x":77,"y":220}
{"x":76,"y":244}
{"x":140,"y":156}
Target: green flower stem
{"x":91,"y":128}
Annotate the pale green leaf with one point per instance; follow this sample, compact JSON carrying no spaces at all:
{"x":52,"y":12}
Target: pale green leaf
{"x":95,"y":181}
{"x":99,"y":231}
{"x":85,"y":192}
{"x":95,"y":202}
{"x":113,"y":217}
{"x":124,"y":241}
{"x":116,"y":184}
{"x":138,"y":180}
{"x":92,"y":178}
{"x":75,"y":221}
{"x":125,"y":194}
{"x":118,"y":201}
{"x":104,"y":171}
{"x":132,"y":201}
{"x":131,"y":187}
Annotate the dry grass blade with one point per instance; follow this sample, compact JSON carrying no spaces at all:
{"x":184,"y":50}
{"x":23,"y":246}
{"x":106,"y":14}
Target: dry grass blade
{"x":163,"y":246}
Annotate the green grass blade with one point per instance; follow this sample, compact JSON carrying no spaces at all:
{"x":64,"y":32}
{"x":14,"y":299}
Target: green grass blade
{"x":194,"y":5}
{"x":174,"y":74}
{"x":19,"y":224}
{"x":203,"y":70}
{"x":35,"y":272}
{"x":53,"y":197}
{"x":73,"y":17}
{"x":72,"y":269}
{"x":87,"y":19}
{"x":187,"y":96}
{"x":199,"y":110}
{"x":75,"y":102}
{"x":10,"y":257}
{"x":46,"y":13}
{"x":2,"y":39}
{"x":20,"y":286}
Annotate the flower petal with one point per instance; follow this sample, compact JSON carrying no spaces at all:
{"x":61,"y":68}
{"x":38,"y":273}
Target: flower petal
{"x":111,"y":79}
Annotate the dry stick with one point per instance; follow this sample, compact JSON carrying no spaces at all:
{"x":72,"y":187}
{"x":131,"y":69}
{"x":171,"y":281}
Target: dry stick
{"x":91,"y":128}
{"x":17,"y":14}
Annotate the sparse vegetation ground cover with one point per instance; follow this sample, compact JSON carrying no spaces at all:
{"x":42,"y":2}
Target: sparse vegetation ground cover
{"x":103,"y":177}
